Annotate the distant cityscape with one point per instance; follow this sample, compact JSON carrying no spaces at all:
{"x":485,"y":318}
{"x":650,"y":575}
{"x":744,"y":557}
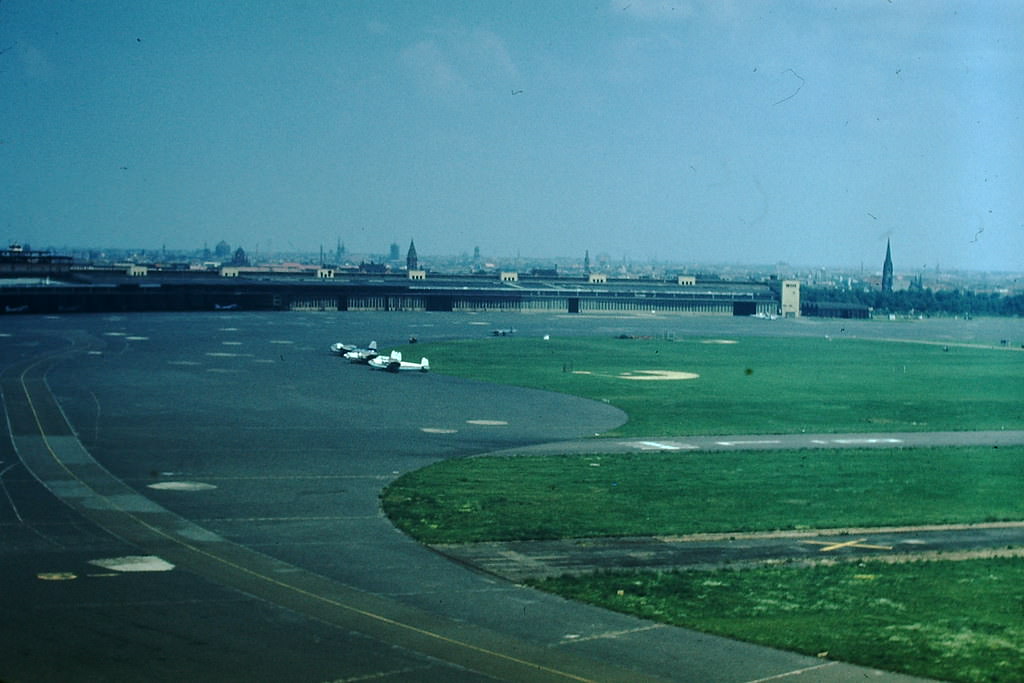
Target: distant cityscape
{"x":584,"y":282}
{"x":865,"y":277}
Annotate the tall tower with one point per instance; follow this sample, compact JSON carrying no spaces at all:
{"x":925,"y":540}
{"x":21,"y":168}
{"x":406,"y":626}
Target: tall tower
{"x":887,"y":269}
{"x":411,"y":262}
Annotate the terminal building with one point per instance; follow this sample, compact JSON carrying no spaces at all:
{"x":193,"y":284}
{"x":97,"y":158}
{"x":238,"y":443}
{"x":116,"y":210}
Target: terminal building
{"x":139,"y":288}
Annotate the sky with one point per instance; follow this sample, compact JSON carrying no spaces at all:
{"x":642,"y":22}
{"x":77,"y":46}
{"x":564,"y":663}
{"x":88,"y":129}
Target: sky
{"x":754,"y":131}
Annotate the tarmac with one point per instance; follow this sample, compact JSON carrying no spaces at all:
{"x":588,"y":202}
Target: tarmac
{"x":196,"y":497}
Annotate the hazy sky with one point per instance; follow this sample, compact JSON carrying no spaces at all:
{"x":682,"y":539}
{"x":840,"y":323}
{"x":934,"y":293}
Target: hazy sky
{"x":742,"y":131}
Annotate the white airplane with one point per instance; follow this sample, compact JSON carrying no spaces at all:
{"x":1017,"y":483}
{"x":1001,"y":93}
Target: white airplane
{"x":394,"y":363}
{"x":362,"y":355}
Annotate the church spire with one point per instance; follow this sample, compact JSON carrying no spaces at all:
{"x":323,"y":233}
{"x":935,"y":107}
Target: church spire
{"x":411,"y":262}
{"x":887,"y":269}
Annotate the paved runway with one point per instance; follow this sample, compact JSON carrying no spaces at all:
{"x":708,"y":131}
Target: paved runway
{"x":195,"y":497}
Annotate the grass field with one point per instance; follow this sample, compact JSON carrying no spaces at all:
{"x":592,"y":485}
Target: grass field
{"x":957,"y":621}
{"x":458,"y":501}
{"x":961,"y":621}
{"x":760,"y":385}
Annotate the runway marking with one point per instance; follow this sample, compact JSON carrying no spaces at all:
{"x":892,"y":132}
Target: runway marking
{"x":281,"y":341}
{"x":795,"y":672}
{"x":135,"y":338}
{"x":846,"y":442}
{"x":659,"y":446}
{"x":748,"y":443}
{"x":134,"y":563}
{"x":438,"y":430}
{"x":115,"y":334}
{"x":181,"y":486}
{"x":577,"y":638}
{"x":282,"y":585}
{"x":487,"y":423}
{"x":231,"y":343}
{"x":56,"y":576}
{"x":181,"y":362}
{"x":858,"y":543}
{"x":222,"y":354}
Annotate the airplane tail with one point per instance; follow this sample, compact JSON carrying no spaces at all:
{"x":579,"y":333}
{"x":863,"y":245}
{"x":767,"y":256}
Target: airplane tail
{"x":372,"y":346}
{"x":425,"y":363}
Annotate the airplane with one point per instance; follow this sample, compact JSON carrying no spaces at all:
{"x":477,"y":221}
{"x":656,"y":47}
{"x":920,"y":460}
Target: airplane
{"x":394,"y":363}
{"x":507,"y":332}
{"x":342,"y":349}
{"x":362,"y":355}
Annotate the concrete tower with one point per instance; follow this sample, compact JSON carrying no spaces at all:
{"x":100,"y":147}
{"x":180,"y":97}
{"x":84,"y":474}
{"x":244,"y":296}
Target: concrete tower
{"x":887,"y":269}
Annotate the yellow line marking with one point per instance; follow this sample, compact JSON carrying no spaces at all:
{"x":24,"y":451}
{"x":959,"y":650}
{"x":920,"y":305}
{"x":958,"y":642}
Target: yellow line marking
{"x":858,"y":543}
{"x":270,"y":580}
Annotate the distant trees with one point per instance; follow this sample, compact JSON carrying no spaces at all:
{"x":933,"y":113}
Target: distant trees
{"x":921,"y":301}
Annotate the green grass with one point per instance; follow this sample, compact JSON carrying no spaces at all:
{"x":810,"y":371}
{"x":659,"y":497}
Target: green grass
{"x":760,"y":385}
{"x":573,"y":496}
{"x":958,"y":621}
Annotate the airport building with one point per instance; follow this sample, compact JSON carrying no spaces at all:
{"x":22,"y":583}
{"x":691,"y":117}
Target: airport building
{"x":134,"y":288}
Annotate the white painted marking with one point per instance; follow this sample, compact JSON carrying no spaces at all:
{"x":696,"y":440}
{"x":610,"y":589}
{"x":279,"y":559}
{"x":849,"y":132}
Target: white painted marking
{"x":115,"y":334}
{"x":790,"y":674}
{"x":657,"y":445}
{"x":747,"y":443}
{"x":56,"y":576}
{"x":95,"y":353}
{"x":6,"y":334}
{"x":229,"y":329}
{"x":849,"y":441}
{"x":134,"y":563}
{"x":487,"y":423}
{"x":181,"y":486}
{"x":183,"y":362}
{"x":438,"y":430}
{"x":134,"y":338}
{"x":231,"y":343}
{"x":281,"y":341}
{"x":221,"y":354}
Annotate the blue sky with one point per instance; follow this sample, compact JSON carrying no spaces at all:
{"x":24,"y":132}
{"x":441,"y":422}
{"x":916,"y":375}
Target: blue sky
{"x":752,"y":132}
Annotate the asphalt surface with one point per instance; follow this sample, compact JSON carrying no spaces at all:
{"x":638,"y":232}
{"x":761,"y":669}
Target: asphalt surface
{"x":196,"y":497}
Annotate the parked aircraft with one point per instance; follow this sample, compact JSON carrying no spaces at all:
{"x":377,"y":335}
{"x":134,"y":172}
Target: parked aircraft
{"x":362,"y":355}
{"x":394,"y":363}
{"x":507,"y":332}
{"x":342,"y":349}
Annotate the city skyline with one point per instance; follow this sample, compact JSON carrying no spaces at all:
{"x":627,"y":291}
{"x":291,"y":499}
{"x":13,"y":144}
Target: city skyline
{"x":674,"y":131}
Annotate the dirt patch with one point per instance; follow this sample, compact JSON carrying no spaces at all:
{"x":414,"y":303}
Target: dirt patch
{"x":658,"y":375}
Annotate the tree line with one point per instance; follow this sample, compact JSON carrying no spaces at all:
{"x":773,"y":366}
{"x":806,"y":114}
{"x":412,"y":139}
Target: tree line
{"x":921,"y":301}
